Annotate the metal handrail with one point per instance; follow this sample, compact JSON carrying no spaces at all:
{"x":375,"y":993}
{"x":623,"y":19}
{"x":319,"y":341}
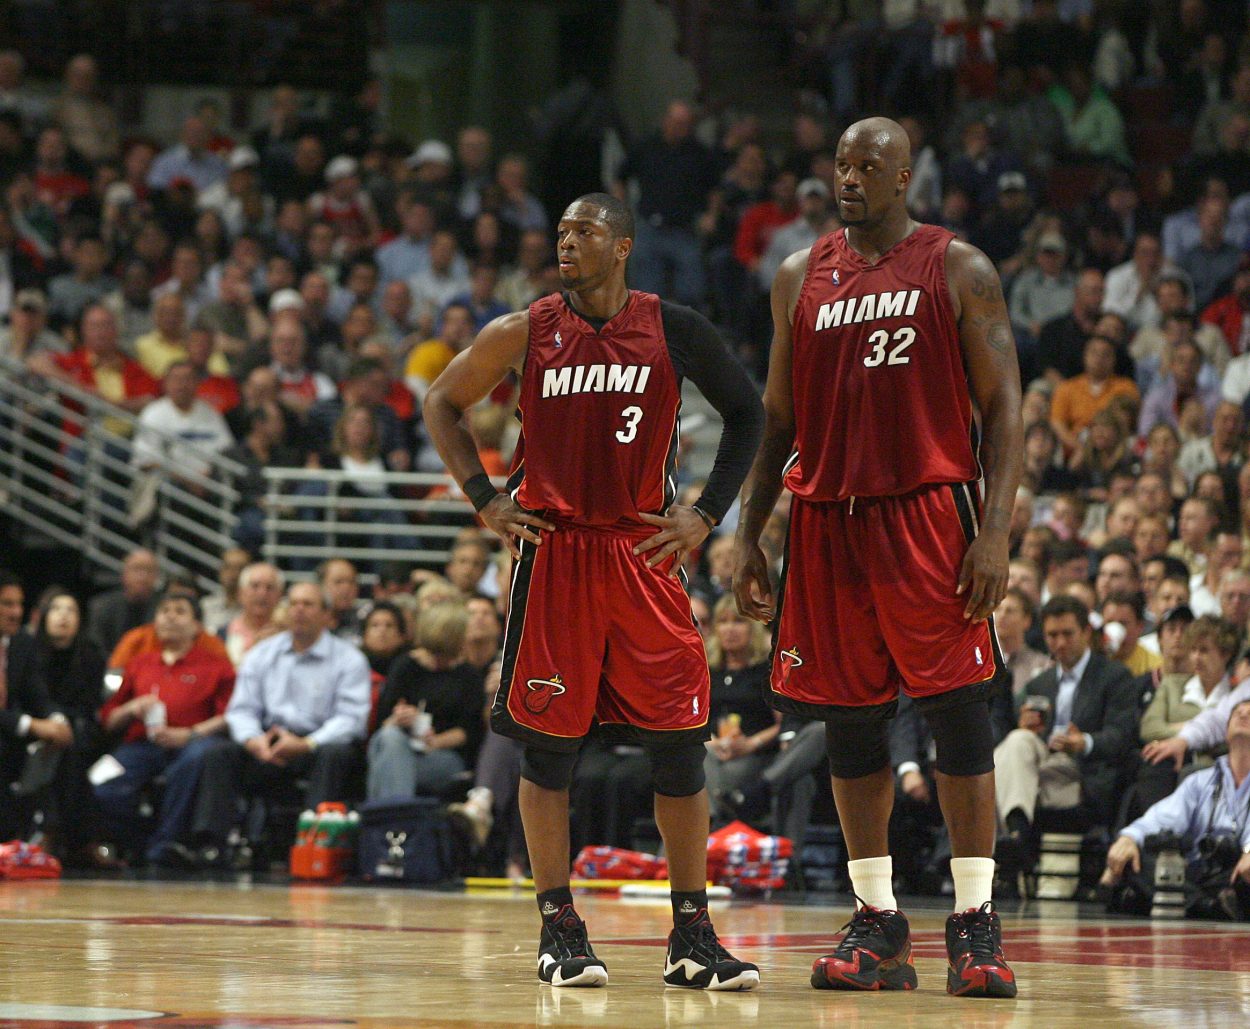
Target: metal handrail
{"x":293,"y":513}
{"x":67,"y":477}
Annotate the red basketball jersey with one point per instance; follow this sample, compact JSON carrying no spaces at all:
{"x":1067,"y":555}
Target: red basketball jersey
{"x":881,"y":400}
{"x":598,"y":414}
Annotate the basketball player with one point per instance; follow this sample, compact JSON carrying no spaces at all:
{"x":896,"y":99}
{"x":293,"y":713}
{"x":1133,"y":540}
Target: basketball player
{"x":599,"y":626}
{"x":886,"y":332}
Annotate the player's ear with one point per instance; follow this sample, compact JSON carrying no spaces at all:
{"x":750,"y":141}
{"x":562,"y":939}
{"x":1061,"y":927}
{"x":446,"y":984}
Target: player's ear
{"x":624,"y":246}
{"x":904,"y":179}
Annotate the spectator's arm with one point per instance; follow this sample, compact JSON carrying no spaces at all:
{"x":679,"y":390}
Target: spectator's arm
{"x":247,"y":706}
{"x":348,"y":719}
{"x":1207,"y":729}
{"x":1175,"y":812}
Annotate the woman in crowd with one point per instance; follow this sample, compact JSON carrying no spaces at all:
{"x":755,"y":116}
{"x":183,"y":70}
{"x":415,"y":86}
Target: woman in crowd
{"x":384,"y":637}
{"x":1163,"y":447}
{"x":356,"y":450}
{"x":430,"y":712}
{"x":1102,"y":452}
{"x":72,"y":670}
{"x":746,"y":726}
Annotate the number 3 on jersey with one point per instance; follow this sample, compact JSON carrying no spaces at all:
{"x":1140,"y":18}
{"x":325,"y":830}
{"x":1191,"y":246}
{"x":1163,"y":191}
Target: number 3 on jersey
{"x":902,"y":339}
{"x":632,"y":416}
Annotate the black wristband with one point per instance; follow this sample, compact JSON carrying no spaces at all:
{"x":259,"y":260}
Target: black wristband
{"x":479,"y":490}
{"x":708,"y":520}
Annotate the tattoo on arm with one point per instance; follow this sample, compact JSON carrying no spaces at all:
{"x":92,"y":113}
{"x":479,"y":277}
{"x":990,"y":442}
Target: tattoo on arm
{"x":987,"y":288}
{"x":999,"y":337}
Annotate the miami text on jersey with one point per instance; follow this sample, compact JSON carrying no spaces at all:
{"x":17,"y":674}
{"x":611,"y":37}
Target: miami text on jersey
{"x":595,"y":378}
{"x":870,"y":308}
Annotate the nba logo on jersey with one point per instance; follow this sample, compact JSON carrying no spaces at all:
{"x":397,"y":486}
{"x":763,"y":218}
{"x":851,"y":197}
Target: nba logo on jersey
{"x":559,"y":342}
{"x":980,"y":660}
{"x":837,"y":281}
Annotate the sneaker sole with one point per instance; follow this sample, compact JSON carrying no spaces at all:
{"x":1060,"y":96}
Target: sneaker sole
{"x":595,"y":975}
{"x":898,"y":977}
{"x":979,"y":983}
{"x":743,"y":981}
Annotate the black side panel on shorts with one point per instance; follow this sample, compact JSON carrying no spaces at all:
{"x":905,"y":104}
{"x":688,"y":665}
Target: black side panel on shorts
{"x":500,"y":718}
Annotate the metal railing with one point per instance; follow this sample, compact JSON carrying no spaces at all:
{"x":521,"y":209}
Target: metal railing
{"x":68,"y":478}
{"x":311,"y":515}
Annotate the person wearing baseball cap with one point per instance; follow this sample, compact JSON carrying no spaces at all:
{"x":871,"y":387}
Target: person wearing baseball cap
{"x":343,"y":203}
{"x":1046,"y":289}
{"x":813,"y":221}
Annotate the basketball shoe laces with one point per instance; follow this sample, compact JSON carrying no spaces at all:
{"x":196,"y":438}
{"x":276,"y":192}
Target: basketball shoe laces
{"x":977,"y":927}
{"x":701,"y":938}
{"x":571,"y":940}
{"x":860,"y":929}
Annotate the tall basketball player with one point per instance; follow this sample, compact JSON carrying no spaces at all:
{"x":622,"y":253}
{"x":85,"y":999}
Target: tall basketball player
{"x":886,"y":333}
{"x":599,"y":627}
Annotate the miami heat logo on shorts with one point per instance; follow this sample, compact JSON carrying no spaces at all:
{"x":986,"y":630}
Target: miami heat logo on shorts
{"x":790,"y":660}
{"x":542,"y":692}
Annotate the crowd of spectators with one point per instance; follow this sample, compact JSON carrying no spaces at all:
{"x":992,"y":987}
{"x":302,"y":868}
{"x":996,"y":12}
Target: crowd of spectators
{"x":286,"y":294}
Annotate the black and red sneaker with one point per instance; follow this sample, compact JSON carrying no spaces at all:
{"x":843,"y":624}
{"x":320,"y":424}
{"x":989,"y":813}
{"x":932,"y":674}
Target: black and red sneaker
{"x":565,"y":957}
{"x":875,"y":954}
{"x":974,"y":944}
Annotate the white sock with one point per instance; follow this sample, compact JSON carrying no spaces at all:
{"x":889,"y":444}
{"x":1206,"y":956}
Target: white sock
{"x":974,"y":881}
{"x":872,"y":880}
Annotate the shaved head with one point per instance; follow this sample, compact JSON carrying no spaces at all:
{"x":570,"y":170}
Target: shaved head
{"x":884,"y":135}
{"x":871,"y":172}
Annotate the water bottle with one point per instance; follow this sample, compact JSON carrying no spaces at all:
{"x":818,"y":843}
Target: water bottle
{"x":155,"y":718}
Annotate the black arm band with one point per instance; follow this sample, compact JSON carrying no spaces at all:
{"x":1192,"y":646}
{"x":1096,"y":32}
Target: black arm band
{"x":708,"y":520}
{"x":479,"y":490}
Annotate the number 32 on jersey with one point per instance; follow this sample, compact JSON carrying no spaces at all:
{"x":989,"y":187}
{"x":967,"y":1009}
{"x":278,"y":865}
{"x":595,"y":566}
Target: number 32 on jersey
{"x":897,"y":345}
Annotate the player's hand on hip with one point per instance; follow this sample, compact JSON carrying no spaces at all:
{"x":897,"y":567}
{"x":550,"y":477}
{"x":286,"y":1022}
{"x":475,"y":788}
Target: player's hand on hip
{"x":510,"y":522}
{"x":681,"y":530}
{"x":984,"y":575}
{"x":752,"y":586}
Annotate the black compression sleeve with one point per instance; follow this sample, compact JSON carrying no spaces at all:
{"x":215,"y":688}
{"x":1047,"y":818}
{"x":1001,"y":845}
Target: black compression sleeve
{"x":698,"y":353}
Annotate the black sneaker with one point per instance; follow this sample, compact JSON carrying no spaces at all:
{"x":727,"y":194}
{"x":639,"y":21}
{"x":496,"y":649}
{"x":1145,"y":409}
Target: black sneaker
{"x":875,"y":954}
{"x":697,"y":961}
{"x":974,"y":944}
{"x":565,"y":957}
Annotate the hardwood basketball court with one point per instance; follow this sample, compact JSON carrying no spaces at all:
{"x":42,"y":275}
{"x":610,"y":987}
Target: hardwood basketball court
{"x":128,"y":953}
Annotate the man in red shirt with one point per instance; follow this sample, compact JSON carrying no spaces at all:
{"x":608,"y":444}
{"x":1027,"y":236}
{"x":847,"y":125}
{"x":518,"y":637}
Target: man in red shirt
{"x":1228,"y":313}
{"x":170,"y":708}
{"x":98,"y":364}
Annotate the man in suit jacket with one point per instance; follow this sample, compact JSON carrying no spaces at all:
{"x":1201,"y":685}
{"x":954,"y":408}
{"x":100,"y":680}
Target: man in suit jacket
{"x":26,"y":711}
{"x":113,"y":614}
{"x":1076,"y":730}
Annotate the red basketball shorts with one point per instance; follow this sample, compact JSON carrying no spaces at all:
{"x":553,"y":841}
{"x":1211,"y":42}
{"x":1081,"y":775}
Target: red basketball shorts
{"x":868,"y":603}
{"x":593,"y":633}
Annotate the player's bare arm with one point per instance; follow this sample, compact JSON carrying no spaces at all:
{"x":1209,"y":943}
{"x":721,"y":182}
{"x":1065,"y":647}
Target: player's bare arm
{"x":500,"y":348}
{"x":994,"y":375}
{"x":752,"y":587}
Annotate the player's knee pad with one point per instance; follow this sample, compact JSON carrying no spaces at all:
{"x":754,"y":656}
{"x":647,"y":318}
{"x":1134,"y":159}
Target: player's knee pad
{"x":962,"y":735}
{"x":858,"y":742}
{"x":550,"y":769}
{"x":677,"y":771}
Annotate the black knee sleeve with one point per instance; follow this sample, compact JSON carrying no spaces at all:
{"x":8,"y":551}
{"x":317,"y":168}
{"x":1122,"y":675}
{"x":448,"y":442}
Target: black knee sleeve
{"x":550,"y":769}
{"x":677,"y":771}
{"x":857,"y":740}
{"x":960,"y":724}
